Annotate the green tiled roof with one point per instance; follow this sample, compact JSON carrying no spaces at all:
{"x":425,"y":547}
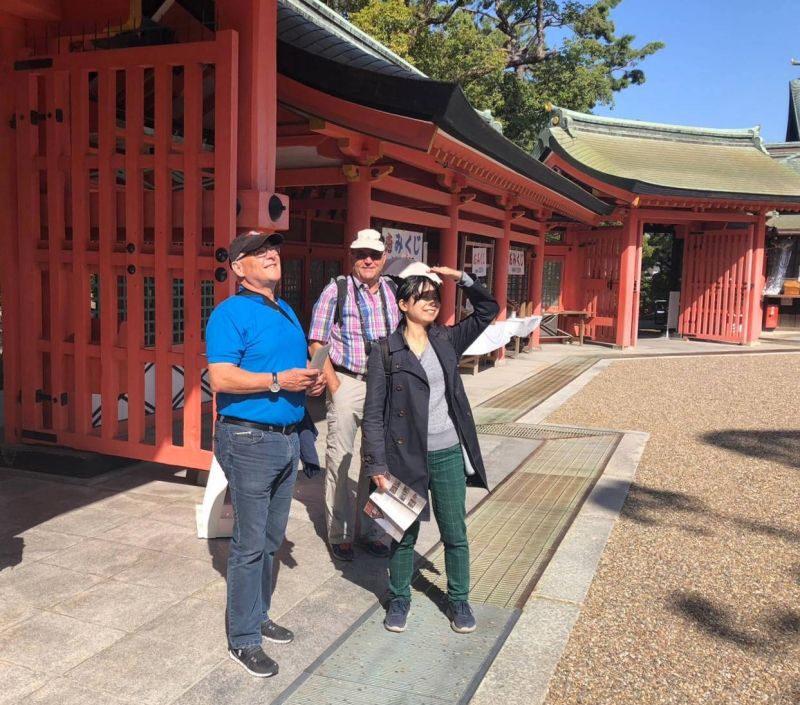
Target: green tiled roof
{"x":653,"y":158}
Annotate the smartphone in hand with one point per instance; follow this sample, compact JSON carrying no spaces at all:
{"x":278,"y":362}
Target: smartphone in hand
{"x":319,"y":357}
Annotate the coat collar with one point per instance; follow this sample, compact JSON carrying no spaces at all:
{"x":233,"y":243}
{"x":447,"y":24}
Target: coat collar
{"x":397,"y":340}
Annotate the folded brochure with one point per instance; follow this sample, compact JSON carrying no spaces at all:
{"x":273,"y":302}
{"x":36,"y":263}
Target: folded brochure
{"x":396,"y":509}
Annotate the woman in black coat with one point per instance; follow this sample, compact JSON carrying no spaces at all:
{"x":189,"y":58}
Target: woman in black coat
{"x":418,"y":426}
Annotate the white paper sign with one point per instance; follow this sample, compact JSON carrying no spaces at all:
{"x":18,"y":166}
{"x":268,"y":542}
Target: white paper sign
{"x":403,"y":243}
{"x":479,"y":261}
{"x":516,"y":262}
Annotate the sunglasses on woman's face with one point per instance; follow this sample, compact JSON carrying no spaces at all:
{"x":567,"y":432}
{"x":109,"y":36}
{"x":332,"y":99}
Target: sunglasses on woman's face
{"x":430,"y":296}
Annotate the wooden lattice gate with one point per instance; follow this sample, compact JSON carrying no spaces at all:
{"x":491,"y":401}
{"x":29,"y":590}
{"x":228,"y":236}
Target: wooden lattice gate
{"x":715,"y":286}
{"x":126,"y":181}
{"x":600,"y":261}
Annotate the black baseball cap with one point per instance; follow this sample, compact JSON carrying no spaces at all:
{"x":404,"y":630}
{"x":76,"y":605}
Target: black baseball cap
{"x":250,"y":242}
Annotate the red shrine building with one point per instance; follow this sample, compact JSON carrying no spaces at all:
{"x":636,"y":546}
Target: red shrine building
{"x":139,"y":136}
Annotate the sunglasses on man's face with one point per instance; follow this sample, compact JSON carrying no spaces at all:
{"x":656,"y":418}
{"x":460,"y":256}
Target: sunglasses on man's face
{"x":261,"y":252}
{"x":363,"y":254}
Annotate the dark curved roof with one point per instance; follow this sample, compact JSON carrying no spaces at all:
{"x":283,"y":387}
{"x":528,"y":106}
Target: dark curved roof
{"x":299,"y":30}
{"x":321,"y":60}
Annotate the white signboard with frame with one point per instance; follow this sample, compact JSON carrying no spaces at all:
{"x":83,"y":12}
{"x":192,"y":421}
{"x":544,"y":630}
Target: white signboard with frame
{"x":516,"y":261}
{"x":479,"y":261}
{"x":404,"y":243}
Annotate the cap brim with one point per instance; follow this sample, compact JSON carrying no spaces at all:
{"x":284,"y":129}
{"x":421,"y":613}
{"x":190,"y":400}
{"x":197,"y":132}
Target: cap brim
{"x":370,"y":245}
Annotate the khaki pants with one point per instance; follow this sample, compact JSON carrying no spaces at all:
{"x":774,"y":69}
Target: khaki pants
{"x":346,"y":488}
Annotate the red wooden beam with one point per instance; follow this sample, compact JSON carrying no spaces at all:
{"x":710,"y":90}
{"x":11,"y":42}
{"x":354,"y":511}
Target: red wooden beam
{"x":409,"y":189}
{"x":192,"y":224}
{"x":163,"y":237}
{"x":319,"y":176}
{"x":381,"y":125}
{"x":409,"y":215}
{"x":134,"y":232}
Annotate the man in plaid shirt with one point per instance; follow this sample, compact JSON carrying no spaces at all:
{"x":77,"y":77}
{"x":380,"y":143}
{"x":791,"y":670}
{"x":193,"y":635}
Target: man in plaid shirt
{"x":369,"y":312}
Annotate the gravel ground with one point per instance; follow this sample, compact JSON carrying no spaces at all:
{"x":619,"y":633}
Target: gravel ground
{"x":697,"y":597}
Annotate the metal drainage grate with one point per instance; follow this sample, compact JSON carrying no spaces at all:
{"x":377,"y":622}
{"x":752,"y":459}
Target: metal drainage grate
{"x":427,"y":665}
{"x":528,"y":394}
{"x":515,"y":531}
{"x":539,"y":431}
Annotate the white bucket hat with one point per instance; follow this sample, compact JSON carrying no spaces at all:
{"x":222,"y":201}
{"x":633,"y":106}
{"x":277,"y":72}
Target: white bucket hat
{"x":368,"y":239}
{"x":420,"y":269}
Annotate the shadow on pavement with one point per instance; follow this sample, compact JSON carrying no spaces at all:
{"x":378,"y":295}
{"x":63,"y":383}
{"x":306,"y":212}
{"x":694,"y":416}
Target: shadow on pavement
{"x":777,"y":630}
{"x":782,"y":446}
{"x":649,"y":506}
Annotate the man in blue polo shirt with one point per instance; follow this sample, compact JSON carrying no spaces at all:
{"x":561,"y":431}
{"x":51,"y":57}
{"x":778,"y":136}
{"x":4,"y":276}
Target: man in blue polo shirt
{"x":256,"y":352}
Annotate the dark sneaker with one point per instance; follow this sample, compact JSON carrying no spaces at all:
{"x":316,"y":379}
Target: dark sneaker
{"x":276,"y":633}
{"x":376,"y":548}
{"x":396,"y":614}
{"x":461,"y":618}
{"x":254,"y":661}
{"x":342,"y":551}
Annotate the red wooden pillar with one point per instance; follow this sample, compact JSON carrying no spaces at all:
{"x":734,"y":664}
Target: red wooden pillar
{"x":757,"y":280}
{"x":537,"y":281}
{"x":448,"y":257}
{"x":359,"y":200}
{"x":502,"y":248}
{"x":11,"y":41}
{"x":637,"y":287}
{"x":627,"y":280}
{"x":256,"y":23}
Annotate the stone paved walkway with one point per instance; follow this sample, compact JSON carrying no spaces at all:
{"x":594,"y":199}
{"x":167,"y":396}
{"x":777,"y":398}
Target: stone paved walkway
{"x":106,"y":595}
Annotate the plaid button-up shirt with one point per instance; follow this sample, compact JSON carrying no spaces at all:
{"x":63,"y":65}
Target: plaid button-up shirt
{"x":346,"y":339}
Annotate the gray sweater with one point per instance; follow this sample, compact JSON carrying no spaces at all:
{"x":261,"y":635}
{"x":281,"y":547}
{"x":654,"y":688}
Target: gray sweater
{"x":441,"y":431}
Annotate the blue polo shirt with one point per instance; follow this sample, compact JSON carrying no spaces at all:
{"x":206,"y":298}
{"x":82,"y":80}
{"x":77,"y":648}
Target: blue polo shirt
{"x":249,"y":332}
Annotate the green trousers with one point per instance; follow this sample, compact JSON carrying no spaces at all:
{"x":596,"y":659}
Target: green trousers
{"x":448,"y":485}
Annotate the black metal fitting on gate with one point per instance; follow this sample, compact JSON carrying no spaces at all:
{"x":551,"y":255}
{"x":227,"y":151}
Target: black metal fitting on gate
{"x":40,"y":396}
{"x":131,"y":269}
{"x":131,"y":248}
{"x":221,"y":254}
{"x":221,"y":274}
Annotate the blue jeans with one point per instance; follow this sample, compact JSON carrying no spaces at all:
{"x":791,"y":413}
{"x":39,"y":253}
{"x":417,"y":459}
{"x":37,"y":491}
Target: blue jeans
{"x":261,"y":468}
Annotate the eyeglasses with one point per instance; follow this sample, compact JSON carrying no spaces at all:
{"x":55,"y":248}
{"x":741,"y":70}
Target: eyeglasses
{"x":363,"y":254}
{"x":261,"y":252}
{"x":430,"y":296}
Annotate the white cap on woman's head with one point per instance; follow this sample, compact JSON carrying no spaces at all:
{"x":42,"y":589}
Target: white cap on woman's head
{"x":420,"y":269}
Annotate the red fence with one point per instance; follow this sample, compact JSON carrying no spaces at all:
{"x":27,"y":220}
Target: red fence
{"x":126,"y":163}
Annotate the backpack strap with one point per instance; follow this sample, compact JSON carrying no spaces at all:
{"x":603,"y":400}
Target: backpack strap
{"x":341,"y":297}
{"x":387,"y":363}
{"x":341,"y":294}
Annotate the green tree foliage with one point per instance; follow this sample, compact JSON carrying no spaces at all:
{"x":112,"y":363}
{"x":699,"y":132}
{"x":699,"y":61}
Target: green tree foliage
{"x":510,"y":56}
{"x":656,"y":268}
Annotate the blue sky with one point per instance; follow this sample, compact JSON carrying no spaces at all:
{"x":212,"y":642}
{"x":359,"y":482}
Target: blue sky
{"x":726,"y":62}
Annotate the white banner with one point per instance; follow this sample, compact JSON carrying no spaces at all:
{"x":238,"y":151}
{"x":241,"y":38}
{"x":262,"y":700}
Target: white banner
{"x":479,"y":261}
{"x":516,"y":261}
{"x":403,"y":243}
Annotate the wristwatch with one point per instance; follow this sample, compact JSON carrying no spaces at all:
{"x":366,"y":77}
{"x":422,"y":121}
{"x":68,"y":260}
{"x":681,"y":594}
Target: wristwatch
{"x":275,"y":387}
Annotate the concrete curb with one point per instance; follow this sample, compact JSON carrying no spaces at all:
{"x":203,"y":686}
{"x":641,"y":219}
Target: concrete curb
{"x":521,"y":673}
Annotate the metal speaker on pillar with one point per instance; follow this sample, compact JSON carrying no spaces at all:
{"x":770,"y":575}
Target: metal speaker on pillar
{"x":275,"y":208}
